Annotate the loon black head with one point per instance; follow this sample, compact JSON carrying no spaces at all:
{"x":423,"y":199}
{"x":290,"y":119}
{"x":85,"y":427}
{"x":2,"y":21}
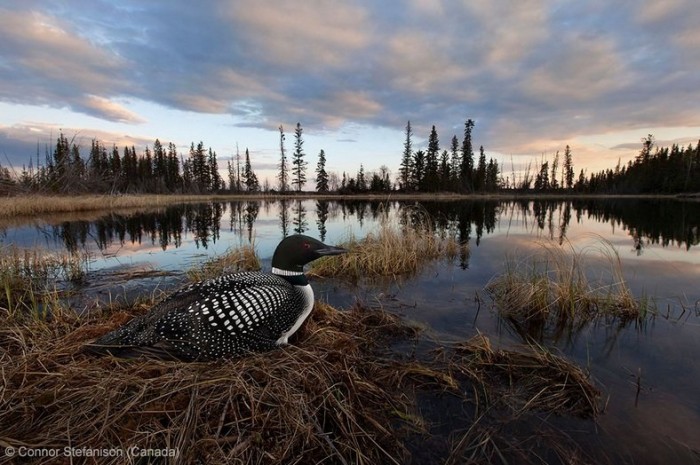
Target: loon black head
{"x":296,"y":251}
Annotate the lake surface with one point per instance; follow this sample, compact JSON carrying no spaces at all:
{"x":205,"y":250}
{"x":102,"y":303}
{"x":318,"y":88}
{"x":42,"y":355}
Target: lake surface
{"x":658,"y":242}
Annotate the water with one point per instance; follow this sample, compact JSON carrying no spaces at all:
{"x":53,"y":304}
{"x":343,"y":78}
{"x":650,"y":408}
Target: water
{"x":648,"y":372}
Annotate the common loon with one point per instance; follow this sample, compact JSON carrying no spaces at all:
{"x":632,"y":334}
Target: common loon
{"x":228,"y":316}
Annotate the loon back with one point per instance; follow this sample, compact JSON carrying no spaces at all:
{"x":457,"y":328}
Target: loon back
{"x":228,"y":316}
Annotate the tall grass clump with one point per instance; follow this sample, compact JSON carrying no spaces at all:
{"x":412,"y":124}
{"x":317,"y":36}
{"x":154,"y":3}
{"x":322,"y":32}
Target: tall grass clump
{"x":553,"y":285}
{"x":243,"y":258}
{"x":31,"y":280}
{"x":391,"y":250}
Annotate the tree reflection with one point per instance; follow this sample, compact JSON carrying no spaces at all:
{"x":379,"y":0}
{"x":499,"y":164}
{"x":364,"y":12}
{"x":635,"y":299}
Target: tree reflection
{"x":647,"y":221}
{"x":321,"y":218}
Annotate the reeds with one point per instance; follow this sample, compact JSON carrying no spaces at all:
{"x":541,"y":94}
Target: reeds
{"x":243,"y":258}
{"x":31,"y":279}
{"x":390,"y":251}
{"x":553,"y":287}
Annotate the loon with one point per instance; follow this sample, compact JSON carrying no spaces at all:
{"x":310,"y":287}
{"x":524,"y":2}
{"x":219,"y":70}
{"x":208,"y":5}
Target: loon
{"x":225,"y":317}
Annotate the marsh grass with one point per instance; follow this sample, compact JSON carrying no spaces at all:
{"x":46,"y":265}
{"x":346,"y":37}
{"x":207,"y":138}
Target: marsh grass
{"x":43,"y":204}
{"x":529,"y":378}
{"x":512,"y":388}
{"x":243,"y":258}
{"x":553,"y":287}
{"x":391,"y":250}
{"x":32,"y":280}
{"x":337,"y":394}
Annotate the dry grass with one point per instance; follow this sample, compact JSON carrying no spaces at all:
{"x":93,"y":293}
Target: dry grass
{"x":530,"y":378}
{"x":243,"y":258}
{"x":553,"y":287}
{"x":390,"y":251}
{"x":336,"y":395}
{"x":42,"y":204}
{"x":511,"y":388}
{"x":330,"y":397}
{"x":31,"y":279}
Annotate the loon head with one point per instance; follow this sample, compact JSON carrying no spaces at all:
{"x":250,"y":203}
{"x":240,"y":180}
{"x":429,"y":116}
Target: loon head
{"x":296,"y":251}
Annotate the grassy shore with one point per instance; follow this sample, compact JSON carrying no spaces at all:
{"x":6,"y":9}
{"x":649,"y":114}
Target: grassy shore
{"x":337,"y":394}
{"x":27,"y":205}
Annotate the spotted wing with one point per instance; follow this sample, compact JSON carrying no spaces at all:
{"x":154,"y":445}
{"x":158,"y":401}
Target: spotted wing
{"x":223,"y":317}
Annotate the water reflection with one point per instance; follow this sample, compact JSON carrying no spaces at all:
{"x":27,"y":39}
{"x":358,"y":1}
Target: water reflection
{"x":647,"y":222}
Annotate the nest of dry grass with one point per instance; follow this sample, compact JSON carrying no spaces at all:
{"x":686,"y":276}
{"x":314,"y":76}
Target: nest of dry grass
{"x":332,"y":397}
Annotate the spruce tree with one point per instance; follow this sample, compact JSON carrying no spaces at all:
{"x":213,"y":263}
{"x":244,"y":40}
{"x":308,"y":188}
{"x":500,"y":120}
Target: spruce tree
{"x":553,"y":183}
{"x":214,"y":176}
{"x":568,"y":168}
{"x":361,"y":181}
{"x":249,"y":177}
{"x":321,"y":175}
{"x":480,"y":174}
{"x":454,"y":163}
{"x":466,"y":170}
{"x":431,"y":162}
{"x":418,"y":168}
{"x":406,"y":167}
{"x":298,"y":162}
{"x":283,"y":176}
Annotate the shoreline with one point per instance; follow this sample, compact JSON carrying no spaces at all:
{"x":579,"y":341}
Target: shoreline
{"x":31,"y":205}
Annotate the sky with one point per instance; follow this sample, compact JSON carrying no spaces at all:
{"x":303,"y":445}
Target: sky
{"x":534,"y":75}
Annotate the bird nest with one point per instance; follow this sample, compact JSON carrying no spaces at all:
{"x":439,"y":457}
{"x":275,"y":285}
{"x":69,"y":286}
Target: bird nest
{"x":325,"y":397}
{"x":337,"y":394}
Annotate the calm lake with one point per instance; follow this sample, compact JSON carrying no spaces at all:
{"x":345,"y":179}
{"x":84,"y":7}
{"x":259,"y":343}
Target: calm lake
{"x":648,"y":372}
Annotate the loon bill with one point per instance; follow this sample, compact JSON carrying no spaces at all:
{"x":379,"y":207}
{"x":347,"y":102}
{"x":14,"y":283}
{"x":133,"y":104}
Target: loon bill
{"x":228,"y":316}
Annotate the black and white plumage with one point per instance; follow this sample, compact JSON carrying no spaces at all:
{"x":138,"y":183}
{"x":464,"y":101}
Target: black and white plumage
{"x":227,"y":316}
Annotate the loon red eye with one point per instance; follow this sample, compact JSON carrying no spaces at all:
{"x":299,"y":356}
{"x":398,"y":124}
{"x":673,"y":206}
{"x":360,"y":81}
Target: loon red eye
{"x":307,"y":246}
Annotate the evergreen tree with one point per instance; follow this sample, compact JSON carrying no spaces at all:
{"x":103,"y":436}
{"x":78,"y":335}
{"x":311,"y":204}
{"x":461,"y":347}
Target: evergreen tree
{"x":542,"y":179}
{"x":283,"y":176}
{"x":231,"y":176}
{"x":553,"y":177}
{"x":454,"y":163}
{"x":466,"y":170}
{"x":406,"y":167}
{"x":431,"y":163}
{"x":249,"y":177}
{"x":444,"y":171}
{"x":299,"y":165}
{"x":568,"y":168}
{"x":418,"y":168}
{"x":215,"y":182}
{"x":173,"y":180}
{"x":321,"y":175}
{"x":361,"y":181}
{"x":160,"y":166}
{"x":492,"y":183}
{"x":115,"y":168}
{"x":480,"y":174}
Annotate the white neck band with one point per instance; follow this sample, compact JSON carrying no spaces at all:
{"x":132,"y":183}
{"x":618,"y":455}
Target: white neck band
{"x":286,"y":272}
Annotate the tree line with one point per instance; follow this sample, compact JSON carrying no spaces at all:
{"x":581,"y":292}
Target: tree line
{"x":654,"y":170}
{"x":161,"y":169}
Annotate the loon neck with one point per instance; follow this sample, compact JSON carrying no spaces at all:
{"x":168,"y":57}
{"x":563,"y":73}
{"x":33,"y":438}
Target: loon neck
{"x":294,"y":277}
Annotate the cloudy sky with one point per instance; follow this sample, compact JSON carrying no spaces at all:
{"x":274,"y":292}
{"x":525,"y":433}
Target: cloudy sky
{"x":535,"y":75}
